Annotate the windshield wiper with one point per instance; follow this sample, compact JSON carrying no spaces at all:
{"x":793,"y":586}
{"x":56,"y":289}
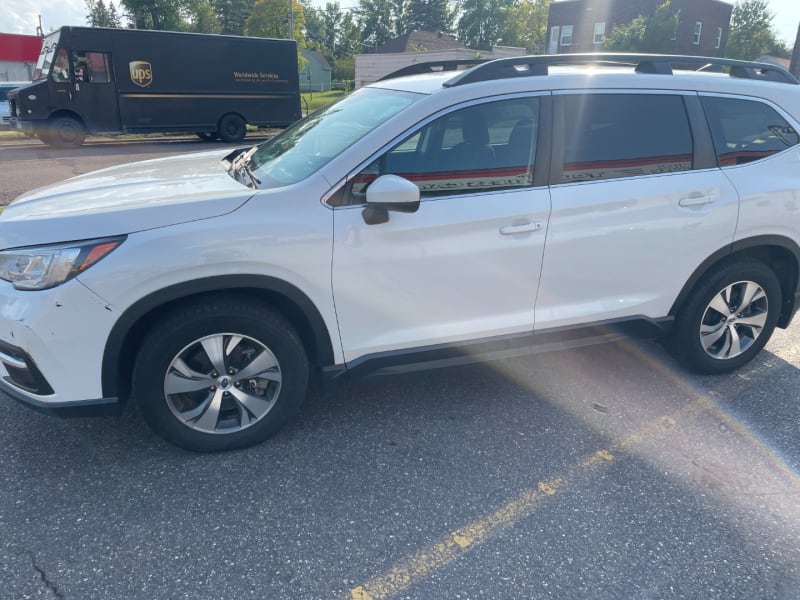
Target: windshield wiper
{"x":245,"y":168}
{"x":240,"y":166}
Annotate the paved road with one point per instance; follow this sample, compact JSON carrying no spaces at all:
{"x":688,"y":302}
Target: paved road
{"x":602,"y":473}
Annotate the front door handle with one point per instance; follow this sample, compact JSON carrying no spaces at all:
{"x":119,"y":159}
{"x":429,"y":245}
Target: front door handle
{"x":524,"y":228}
{"x":696,"y":200}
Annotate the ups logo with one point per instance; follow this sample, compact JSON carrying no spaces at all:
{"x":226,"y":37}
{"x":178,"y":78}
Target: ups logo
{"x":141,"y":73}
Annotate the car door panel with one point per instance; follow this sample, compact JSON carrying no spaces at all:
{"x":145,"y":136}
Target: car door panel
{"x":631,"y":221}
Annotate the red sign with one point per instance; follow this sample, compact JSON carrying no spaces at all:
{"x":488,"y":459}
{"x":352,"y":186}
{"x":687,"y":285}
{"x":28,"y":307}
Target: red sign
{"x":19,"y":48}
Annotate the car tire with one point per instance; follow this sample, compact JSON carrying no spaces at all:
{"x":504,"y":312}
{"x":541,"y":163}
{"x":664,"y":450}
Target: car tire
{"x":232,"y":128}
{"x":728,"y":318}
{"x":220,"y":374}
{"x":65,"y":132}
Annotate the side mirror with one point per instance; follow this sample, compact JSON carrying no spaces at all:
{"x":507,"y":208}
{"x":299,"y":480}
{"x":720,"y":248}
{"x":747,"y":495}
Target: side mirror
{"x":389,"y":192}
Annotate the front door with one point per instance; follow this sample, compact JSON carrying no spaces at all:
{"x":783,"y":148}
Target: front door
{"x":465,"y":266}
{"x":94,"y":92}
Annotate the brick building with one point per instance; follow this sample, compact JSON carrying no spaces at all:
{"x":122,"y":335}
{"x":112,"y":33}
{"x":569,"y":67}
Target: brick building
{"x":581,"y":25}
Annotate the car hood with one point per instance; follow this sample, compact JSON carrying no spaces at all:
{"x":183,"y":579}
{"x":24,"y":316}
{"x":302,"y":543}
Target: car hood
{"x":124,"y":199}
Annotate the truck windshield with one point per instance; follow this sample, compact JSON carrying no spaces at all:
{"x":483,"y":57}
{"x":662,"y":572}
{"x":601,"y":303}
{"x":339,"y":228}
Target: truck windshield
{"x":46,"y":56}
{"x":312,"y":142}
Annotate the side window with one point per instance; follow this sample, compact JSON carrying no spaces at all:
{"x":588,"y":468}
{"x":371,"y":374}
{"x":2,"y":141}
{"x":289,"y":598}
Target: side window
{"x":60,"y":72}
{"x":608,"y":136}
{"x":746,"y":130}
{"x":92,"y":67}
{"x":480,"y":148}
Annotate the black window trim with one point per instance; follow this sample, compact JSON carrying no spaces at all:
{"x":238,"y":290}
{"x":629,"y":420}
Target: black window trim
{"x":704,"y":156}
{"x":777,"y":108}
{"x":541,"y":159}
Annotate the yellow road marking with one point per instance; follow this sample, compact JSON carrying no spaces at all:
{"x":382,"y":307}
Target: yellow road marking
{"x":457,"y":543}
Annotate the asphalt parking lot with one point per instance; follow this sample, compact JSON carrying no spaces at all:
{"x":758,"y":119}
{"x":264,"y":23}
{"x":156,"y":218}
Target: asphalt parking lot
{"x":602,"y":473}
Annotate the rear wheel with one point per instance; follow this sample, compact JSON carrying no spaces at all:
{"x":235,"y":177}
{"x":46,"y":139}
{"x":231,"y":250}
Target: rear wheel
{"x":64,"y":132}
{"x":220,"y":374}
{"x":728,"y":319}
{"x":232,"y":128}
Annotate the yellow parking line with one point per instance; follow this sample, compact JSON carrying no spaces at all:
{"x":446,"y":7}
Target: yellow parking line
{"x":457,"y":543}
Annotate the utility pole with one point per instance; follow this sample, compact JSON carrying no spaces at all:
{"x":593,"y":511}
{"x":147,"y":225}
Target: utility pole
{"x":291,"y":19}
{"x":795,"y":66}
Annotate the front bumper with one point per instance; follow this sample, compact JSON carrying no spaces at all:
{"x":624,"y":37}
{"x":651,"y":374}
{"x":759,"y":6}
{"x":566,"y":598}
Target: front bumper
{"x":81,"y":408}
{"x":26,"y":127}
{"x":51,"y":349}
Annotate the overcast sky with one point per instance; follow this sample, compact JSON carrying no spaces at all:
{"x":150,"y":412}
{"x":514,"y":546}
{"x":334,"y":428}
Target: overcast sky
{"x":22,"y":16}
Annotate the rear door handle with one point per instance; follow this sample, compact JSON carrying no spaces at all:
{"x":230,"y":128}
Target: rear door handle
{"x":524,"y":228}
{"x":696,"y":200}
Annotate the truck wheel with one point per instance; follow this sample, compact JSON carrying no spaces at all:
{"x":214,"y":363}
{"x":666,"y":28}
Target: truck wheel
{"x":43,"y":135}
{"x":220,"y":373}
{"x":232,"y":128}
{"x":65,"y":132}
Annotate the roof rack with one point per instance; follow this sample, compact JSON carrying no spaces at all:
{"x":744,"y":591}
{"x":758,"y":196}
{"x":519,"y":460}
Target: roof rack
{"x":434,"y":67}
{"x":659,"y":64}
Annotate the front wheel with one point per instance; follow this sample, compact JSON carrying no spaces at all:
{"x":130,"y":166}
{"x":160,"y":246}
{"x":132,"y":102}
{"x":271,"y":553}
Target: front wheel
{"x":64,"y":132}
{"x":220,"y":374}
{"x":728,"y":319}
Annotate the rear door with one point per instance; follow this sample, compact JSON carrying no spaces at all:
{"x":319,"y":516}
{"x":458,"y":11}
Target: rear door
{"x":638,"y":205}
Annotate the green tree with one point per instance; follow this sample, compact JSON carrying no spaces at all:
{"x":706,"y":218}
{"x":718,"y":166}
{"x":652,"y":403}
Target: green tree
{"x":232,"y":14}
{"x":526,"y":25}
{"x":482,"y":22}
{"x":332,"y":31}
{"x":163,"y":15}
{"x":100,"y":15}
{"x":202,"y":18}
{"x":652,"y":33}
{"x":344,"y":69}
{"x":270,"y":19}
{"x":428,"y":15}
{"x":751,"y":34}
{"x":379,"y":21}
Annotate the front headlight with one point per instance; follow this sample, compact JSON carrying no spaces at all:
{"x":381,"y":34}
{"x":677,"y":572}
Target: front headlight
{"x":43,"y":267}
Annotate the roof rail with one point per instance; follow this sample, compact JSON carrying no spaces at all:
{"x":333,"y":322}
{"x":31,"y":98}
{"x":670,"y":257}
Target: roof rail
{"x":659,"y":64}
{"x":433,"y":67}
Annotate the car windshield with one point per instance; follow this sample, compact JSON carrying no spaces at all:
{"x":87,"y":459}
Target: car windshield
{"x":46,"y":56}
{"x":312,"y":142}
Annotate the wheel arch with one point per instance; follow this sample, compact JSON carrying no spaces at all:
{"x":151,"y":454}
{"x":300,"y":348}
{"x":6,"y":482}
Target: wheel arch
{"x":780,"y":253}
{"x":64,"y":112}
{"x":130,"y":329}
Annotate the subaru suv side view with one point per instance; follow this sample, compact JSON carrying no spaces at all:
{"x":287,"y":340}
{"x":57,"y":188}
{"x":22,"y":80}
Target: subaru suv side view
{"x":524,"y":204}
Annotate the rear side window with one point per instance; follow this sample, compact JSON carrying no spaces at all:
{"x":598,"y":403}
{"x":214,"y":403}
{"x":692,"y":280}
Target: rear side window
{"x":746,"y":130}
{"x":608,"y":136}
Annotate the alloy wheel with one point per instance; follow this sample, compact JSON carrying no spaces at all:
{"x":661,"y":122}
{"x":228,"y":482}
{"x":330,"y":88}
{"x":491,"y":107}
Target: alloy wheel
{"x":734,"y":319}
{"x":222,"y":383}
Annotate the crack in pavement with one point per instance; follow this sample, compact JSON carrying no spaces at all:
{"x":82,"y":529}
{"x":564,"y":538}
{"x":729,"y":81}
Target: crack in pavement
{"x":42,"y":573}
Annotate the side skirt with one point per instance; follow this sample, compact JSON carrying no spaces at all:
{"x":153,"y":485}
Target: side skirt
{"x":462,"y":353}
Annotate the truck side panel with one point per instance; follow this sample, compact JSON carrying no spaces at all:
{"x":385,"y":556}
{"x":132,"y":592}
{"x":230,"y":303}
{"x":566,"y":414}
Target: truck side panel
{"x":172,"y":81}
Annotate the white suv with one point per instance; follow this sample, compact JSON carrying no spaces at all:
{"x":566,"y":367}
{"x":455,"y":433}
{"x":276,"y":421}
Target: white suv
{"x":524,"y":204}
